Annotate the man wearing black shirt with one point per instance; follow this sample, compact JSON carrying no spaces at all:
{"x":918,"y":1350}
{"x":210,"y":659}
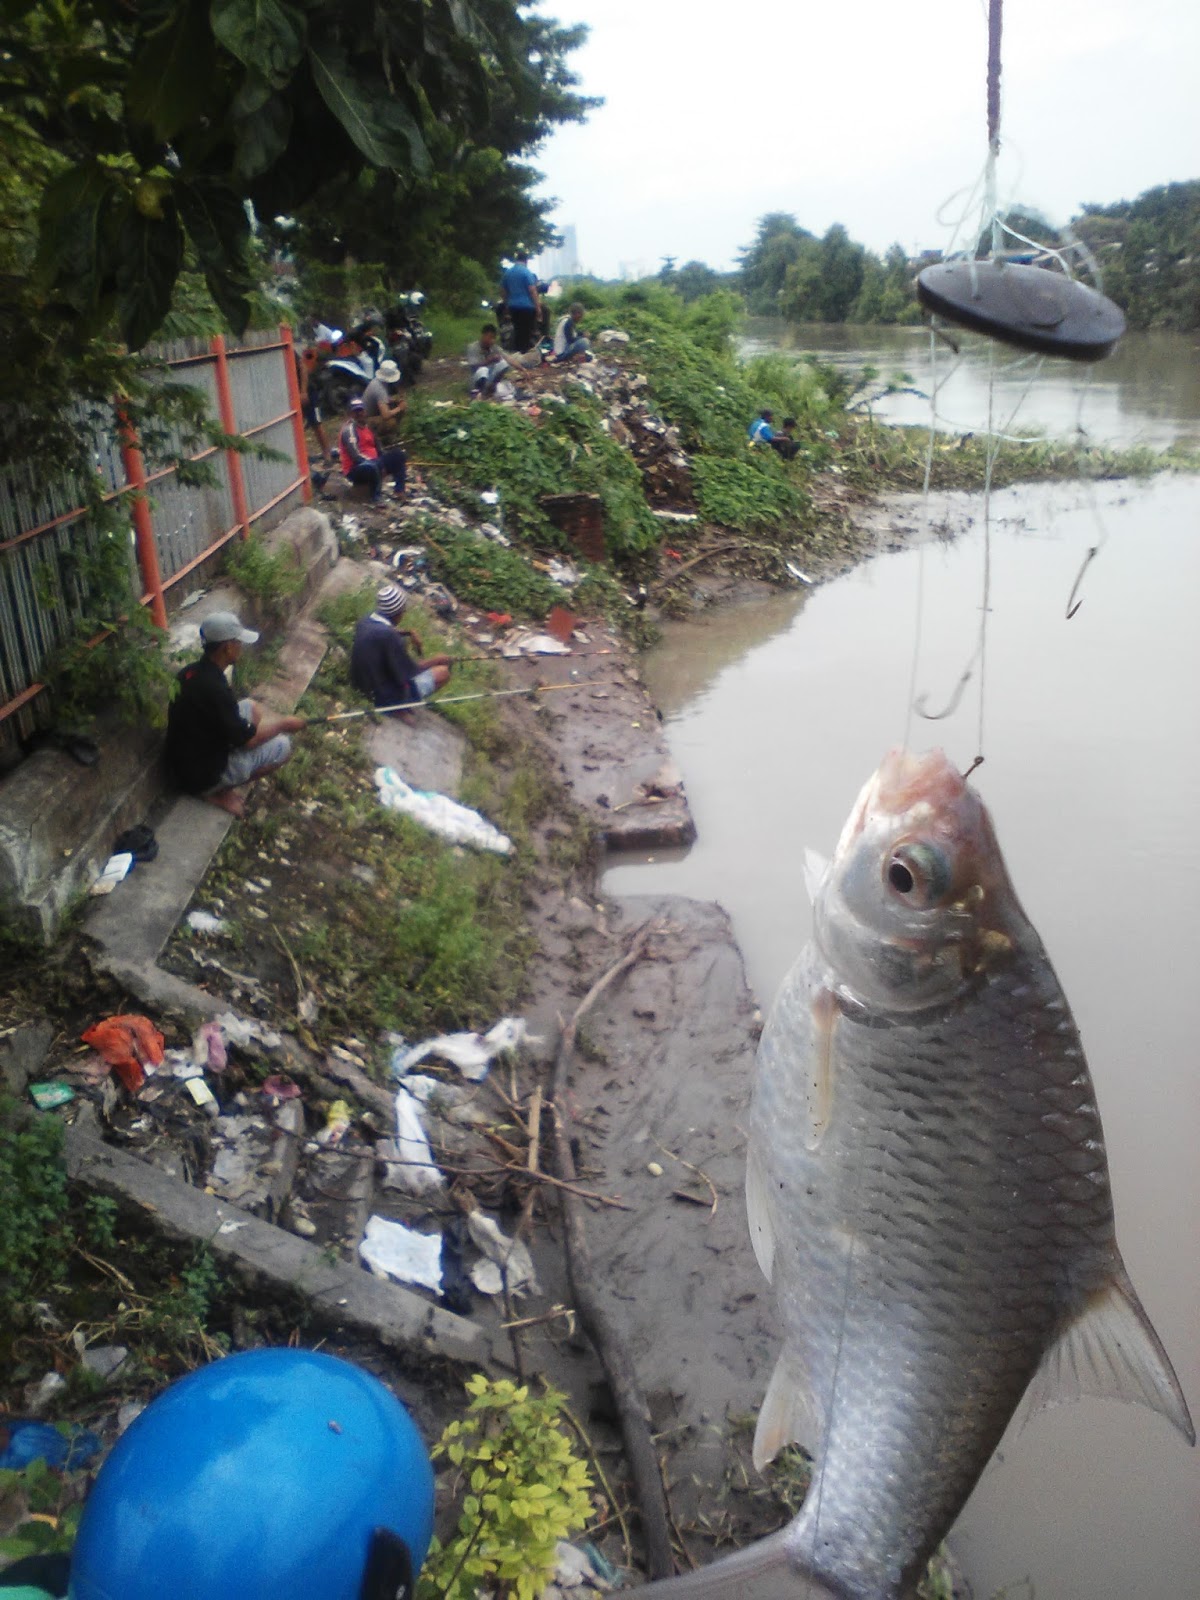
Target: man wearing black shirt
{"x":215,"y":742}
{"x":381,"y":666}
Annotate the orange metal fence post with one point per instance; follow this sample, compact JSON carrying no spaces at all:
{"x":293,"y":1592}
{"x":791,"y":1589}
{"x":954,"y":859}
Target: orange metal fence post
{"x":293,"y":389}
{"x":233,"y":461}
{"x":143,"y":526}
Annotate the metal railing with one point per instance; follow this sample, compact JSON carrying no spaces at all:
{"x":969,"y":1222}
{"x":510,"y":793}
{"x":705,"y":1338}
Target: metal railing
{"x":252,"y":390}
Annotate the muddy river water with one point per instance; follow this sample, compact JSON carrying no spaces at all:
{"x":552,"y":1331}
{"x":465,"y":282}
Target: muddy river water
{"x":776,"y":714}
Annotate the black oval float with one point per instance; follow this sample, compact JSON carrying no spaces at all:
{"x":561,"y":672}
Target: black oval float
{"x":1033,"y":308}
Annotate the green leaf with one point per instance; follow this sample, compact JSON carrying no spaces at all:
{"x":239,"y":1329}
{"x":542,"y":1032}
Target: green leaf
{"x":150,"y":256}
{"x":170,"y":81}
{"x":216,"y":221}
{"x":380,"y":125}
{"x":71,"y":250}
{"x":262,"y":137}
{"x":265,"y":35}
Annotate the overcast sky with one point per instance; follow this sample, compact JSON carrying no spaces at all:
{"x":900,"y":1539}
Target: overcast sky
{"x":865,"y":112}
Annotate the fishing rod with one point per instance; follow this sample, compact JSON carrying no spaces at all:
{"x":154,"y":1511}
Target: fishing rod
{"x":457,"y":700}
{"x":499,"y":660}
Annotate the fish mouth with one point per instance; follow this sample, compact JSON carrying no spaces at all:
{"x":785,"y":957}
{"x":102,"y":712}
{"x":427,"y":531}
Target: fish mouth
{"x":923,"y":786}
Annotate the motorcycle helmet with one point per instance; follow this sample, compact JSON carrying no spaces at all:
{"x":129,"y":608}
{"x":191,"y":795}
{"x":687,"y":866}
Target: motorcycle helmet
{"x":270,"y":1473}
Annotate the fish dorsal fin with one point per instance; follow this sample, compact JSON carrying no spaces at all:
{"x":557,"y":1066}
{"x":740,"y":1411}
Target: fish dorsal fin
{"x":758,"y":1214}
{"x":789,"y":1413}
{"x":1111,"y":1350}
{"x":815,"y":868}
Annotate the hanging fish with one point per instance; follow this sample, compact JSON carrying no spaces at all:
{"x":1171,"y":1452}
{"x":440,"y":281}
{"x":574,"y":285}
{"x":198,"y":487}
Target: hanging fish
{"x":928,"y":1193}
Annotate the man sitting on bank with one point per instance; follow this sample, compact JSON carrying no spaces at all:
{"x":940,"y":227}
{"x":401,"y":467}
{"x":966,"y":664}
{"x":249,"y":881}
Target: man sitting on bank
{"x":217,"y":743}
{"x":486,"y":361}
{"x":381,"y":666}
{"x":569,"y":343}
{"x":362,"y":459}
{"x":384,"y":402}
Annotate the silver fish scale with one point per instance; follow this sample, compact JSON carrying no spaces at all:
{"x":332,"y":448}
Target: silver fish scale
{"x":927,"y":1250}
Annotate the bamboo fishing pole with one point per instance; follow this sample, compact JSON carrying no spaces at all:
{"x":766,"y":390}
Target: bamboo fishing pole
{"x":574,"y":655}
{"x":457,"y":700}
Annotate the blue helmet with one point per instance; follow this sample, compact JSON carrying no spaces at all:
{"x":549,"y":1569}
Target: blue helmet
{"x":274,"y":1472}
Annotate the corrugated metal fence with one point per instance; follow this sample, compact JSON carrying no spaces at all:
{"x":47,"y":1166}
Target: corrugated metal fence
{"x":253,"y":391}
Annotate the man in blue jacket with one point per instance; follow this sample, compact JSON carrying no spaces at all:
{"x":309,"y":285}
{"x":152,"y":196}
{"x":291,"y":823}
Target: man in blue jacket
{"x":381,"y":666}
{"x":520,"y":288}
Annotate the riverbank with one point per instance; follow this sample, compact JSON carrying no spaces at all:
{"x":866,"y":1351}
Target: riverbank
{"x":344,"y":924}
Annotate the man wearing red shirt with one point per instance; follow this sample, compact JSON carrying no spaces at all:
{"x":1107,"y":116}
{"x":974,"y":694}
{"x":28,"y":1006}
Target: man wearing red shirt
{"x":362,"y":460}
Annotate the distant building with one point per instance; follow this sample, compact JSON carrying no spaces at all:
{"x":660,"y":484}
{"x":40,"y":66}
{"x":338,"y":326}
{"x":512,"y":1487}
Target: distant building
{"x":563,"y":260}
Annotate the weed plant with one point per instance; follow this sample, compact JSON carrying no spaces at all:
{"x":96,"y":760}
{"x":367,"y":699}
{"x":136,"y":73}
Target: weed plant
{"x":271,"y":580}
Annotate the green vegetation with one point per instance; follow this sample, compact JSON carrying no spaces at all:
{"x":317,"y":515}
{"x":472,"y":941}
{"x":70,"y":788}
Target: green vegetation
{"x":487,"y":575}
{"x":270,"y":580}
{"x":33,"y":1182}
{"x":479,"y":447}
{"x":523,"y":1489}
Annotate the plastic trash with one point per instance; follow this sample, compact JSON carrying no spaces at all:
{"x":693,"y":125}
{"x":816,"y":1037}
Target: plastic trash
{"x":129,"y":1044}
{"x":455,"y":823}
{"x":450,"y":1101}
{"x":337,"y":1124}
{"x":393,"y":1251}
{"x":23,"y":1442}
{"x":409,"y":1160}
{"x":208,"y":1047}
{"x":471,"y":1053}
{"x":203,"y":1096}
{"x":39,"y":1395}
{"x":525,"y":643}
{"x":46,"y":1096}
{"x":246,"y":1032}
{"x":509,"y":1259}
{"x":116,"y":868}
{"x":205,"y":922}
{"x":104,"y":1361}
{"x":456,"y":1281}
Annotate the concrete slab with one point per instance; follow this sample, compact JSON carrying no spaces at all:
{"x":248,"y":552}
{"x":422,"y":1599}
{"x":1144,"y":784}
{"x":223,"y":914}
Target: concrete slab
{"x":426,"y":751}
{"x":131,"y":926}
{"x":135,"y":921}
{"x":58,"y":821}
{"x":346,"y":1297}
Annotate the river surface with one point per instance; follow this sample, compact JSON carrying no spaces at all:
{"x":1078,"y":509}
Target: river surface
{"x":1146,"y":392}
{"x":778,"y":711}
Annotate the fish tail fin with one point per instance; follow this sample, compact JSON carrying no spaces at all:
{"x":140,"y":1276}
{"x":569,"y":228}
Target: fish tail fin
{"x":768,"y":1570}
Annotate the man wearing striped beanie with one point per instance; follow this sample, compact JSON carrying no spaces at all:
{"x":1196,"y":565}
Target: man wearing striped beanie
{"x":382,"y":665}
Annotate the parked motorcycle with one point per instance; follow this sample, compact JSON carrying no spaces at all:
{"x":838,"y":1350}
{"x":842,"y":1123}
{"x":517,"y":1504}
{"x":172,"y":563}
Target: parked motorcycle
{"x":409,"y":341}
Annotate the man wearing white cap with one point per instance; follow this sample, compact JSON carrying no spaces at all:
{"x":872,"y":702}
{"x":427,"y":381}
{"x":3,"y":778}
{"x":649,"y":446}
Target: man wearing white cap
{"x":215,"y":742}
{"x":381,"y":666}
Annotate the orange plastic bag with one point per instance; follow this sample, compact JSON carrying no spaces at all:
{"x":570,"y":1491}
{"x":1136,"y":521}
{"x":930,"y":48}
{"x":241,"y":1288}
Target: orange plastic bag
{"x":127,"y":1044}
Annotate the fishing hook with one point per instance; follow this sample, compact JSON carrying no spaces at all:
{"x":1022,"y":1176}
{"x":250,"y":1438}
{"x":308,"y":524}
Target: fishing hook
{"x":1073,"y":604}
{"x":919,"y":704}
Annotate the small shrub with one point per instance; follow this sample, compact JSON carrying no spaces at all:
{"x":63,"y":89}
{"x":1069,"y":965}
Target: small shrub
{"x":269,"y":580}
{"x":746,"y":494}
{"x":489,"y":576}
{"x":525,"y":1490}
{"x":33,"y":1182}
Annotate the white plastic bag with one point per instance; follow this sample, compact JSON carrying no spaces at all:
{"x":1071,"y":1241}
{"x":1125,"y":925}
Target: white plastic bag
{"x":456,"y":823}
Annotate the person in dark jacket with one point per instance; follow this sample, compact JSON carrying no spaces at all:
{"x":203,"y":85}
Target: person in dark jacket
{"x":381,"y":665}
{"x":216,"y":743}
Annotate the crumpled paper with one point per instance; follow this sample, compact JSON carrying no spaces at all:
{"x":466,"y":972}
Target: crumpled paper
{"x":391,"y":1250}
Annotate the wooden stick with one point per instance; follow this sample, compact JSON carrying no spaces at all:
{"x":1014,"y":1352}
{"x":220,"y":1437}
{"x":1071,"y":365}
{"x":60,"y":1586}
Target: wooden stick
{"x":594,"y":1315}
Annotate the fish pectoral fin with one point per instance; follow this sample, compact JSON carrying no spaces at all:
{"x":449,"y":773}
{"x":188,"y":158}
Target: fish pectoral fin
{"x":1111,"y":1350}
{"x":815,"y":868}
{"x":789,"y":1413}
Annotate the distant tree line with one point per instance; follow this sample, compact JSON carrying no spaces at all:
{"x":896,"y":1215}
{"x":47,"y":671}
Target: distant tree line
{"x":1148,"y":252}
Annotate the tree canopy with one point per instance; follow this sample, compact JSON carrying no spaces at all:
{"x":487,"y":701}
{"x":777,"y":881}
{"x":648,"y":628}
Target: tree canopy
{"x":137,"y":133}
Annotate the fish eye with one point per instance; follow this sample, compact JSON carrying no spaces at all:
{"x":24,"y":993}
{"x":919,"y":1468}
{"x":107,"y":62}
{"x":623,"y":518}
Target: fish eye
{"x":920,"y":871}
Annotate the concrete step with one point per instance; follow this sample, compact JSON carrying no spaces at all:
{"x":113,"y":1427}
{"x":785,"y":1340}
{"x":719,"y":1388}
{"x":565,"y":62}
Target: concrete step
{"x":130,"y":927}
